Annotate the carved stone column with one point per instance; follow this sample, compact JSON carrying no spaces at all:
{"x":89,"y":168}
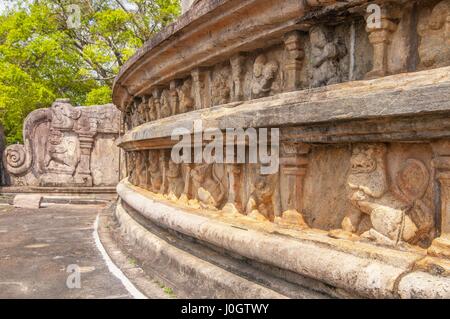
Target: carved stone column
{"x":380,"y":37}
{"x":441,"y":163}
{"x":294,"y":163}
{"x":237,"y":71}
{"x":294,"y":60}
{"x":83,"y":175}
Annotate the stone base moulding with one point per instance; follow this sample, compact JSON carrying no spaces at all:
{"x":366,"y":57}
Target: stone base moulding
{"x":361,"y":269}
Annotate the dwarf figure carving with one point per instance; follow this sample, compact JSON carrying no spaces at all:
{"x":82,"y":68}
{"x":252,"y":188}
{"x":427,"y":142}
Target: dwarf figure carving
{"x":166,"y":110}
{"x":434,"y":48}
{"x":154,"y":172}
{"x":131,"y":167}
{"x":395,"y":218}
{"x":260,"y":204}
{"x":326,"y":55}
{"x":175,"y":179}
{"x":221,"y":90}
{"x":209,"y":188}
{"x":152,"y":113}
{"x":185,"y":96}
{"x":264,"y":74}
{"x":142,"y":112}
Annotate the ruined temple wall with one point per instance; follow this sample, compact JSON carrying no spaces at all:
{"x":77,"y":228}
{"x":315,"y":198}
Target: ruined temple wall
{"x":363,"y":113}
{"x":66,"y":146}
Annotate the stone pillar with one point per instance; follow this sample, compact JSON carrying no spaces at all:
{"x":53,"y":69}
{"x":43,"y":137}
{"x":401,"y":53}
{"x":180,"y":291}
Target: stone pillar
{"x":380,"y":37}
{"x":237,"y":71}
{"x":83,"y":174}
{"x":441,"y":164}
{"x":294,"y":60}
{"x":294,"y":163}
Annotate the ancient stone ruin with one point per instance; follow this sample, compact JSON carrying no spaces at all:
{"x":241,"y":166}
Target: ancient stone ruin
{"x":66,"y":146}
{"x":360,"y":201}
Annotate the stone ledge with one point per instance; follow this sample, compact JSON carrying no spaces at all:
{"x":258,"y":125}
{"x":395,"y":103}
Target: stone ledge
{"x":373,"y":277}
{"x":214,"y":280}
{"x":422,"y":95}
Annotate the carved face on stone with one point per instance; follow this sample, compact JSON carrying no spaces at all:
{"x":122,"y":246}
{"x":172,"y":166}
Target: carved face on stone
{"x":264,"y":73}
{"x":64,"y":115}
{"x":368,"y":169}
{"x":363,"y":159}
{"x":318,"y":37}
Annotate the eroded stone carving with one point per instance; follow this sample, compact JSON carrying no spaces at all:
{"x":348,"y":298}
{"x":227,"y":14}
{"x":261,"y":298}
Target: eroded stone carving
{"x":221,"y":90}
{"x":154,"y":172}
{"x":396,"y":216}
{"x":59,"y":147}
{"x":434,"y":30}
{"x":208,"y":187}
{"x":152,"y":112}
{"x":176,"y":183}
{"x":185,"y":96}
{"x":264,"y":74}
{"x":261,"y":204}
{"x":165,"y":104}
{"x":326,"y":57}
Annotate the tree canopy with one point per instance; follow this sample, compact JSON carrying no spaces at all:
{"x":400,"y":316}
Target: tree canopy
{"x":69,"y":49}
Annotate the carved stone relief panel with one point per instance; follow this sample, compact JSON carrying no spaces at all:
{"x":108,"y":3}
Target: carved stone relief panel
{"x":434,"y":32}
{"x":221,"y":85}
{"x":392,"y":186}
{"x":209,"y":184}
{"x":59,"y":143}
{"x":186,"y":99}
{"x":329,"y":57}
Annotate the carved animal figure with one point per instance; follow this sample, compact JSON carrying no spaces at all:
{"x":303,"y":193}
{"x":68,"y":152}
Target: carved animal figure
{"x":390,"y":213}
{"x":325,"y":57}
{"x":264,"y":74}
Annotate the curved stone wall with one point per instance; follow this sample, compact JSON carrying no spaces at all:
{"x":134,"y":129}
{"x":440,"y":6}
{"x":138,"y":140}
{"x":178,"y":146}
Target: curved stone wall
{"x":354,"y":116}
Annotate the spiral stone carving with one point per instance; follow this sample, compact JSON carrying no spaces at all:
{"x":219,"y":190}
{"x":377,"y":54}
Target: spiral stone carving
{"x":16,"y":159}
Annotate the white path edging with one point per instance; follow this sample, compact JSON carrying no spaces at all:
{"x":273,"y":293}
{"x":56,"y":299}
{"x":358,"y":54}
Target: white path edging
{"x":132,"y":290}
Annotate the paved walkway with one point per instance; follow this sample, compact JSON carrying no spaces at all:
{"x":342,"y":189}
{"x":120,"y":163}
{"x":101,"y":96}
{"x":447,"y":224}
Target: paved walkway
{"x":38,"y":246}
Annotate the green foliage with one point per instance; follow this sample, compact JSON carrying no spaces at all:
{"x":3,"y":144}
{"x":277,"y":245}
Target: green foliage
{"x":99,"y":96}
{"x":43,"y":58}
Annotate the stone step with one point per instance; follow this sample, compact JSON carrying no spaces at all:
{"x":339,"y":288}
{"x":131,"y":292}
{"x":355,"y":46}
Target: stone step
{"x":198,"y":270}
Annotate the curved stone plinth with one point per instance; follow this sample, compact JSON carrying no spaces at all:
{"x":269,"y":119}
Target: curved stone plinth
{"x":358,"y":268}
